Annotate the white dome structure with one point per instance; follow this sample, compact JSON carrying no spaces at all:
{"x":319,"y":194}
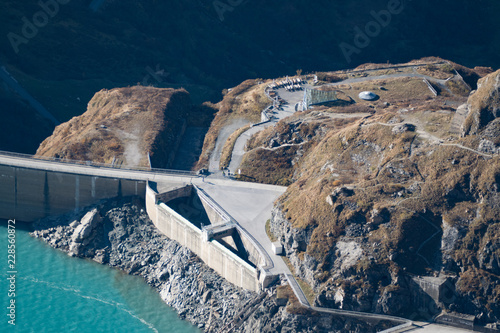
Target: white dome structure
{"x":368,"y":95}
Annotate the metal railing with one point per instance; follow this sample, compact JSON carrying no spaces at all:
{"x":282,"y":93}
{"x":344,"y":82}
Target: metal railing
{"x":210,"y":202}
{"x":97,"y":164}
{"x":214,"y":205}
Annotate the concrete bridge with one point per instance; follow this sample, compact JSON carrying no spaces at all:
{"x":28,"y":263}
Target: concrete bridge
{"x":232,"y":240}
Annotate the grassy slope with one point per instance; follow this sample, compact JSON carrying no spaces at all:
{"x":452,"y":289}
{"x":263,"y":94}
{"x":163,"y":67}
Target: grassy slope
{"x":418,"y":185}
{"x":123,"y":121}
{"x":245,"y":101}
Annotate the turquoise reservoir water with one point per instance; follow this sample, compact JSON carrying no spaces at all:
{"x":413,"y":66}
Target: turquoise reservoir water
{"x":57,"y":293}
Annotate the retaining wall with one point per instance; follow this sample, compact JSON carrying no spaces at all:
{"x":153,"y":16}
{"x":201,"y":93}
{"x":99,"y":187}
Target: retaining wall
{"x":213,"y":253}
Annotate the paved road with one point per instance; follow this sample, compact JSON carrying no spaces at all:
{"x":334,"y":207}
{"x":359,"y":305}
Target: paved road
{"x":396,"y":67}
{"x":239,"y":146}
{"x":155,"y":176}
{"x":292,"y":98}
{"x":383,"y":77}
{"x":249,"y":203}
{"x":224,"y":134}
{"x":286,"y":110}
{"x":251,"y":208}
{"x":13,"y":84}
{"x":421,"y":327}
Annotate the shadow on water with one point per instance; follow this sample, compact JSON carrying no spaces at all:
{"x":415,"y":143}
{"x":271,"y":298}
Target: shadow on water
{"x":20,"y":225}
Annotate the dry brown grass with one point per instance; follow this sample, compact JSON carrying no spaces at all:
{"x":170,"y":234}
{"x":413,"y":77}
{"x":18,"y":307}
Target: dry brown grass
{"x":441,"y":71}
{"x":434,"y":122}
{"x":458,"y":88}
{"x":306,"y":288}
{"x":269,"y":233}
{"x":305,"y":206}
{"x":331,"y":77}
{"x":269,"y":166}
{"x":483,"y":104}
{"x":404,"y":89}
{"x":293,"y":306}
{"x":149,"y":118}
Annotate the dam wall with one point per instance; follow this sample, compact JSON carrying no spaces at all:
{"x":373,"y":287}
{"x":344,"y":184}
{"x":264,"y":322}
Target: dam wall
{"x":213,"y":253}
{"x":33,"y":189}
{"x":31,"y":194}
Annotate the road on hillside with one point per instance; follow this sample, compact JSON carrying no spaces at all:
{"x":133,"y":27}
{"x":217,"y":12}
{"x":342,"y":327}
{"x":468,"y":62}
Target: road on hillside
{"x":224,"y":134}
{"x":14,"y":85}
{"x":250,"y":204}
{"x":382,"y":77}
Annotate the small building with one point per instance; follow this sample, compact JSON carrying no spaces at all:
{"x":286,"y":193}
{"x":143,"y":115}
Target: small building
{"x":277,"y":248}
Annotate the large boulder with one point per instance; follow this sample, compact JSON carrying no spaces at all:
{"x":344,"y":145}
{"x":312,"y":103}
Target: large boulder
{"x":83,"y":233}
{"x":484,"y":105}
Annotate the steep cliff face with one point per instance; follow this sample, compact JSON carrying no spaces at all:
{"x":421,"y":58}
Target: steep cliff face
{"x":122,"y":126}
{"x":373,"y":207}
{"x":484,"y":105}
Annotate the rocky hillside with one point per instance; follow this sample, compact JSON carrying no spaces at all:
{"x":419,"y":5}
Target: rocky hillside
{"x":393,"y":204}
{"x":120,"y":234}
{"x":484,"y":109}
{"x":122,"y":126}
{"x":241,"y":105}
{"x":391,"y":196}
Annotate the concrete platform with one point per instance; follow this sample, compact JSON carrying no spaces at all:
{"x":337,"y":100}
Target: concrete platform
{"x":251,"y":208}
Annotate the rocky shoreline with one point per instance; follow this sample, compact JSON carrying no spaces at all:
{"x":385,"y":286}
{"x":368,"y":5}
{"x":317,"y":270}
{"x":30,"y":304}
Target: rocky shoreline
{"x":120,"y":234}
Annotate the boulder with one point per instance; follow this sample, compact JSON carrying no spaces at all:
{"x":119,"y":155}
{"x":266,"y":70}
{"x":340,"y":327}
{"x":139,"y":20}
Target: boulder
{"x":87,"y":224}
{"x":484,"y":105}
{"x":402,"y":128}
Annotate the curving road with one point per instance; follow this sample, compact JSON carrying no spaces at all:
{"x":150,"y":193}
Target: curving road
{"x":14,"y":85}
{"x":294,"y":97}
{"x":250,"y":204}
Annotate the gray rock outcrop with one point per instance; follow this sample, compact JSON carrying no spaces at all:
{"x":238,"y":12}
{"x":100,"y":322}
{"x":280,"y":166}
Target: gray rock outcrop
{"x":483,"y":105}
{"x":119,"y":233}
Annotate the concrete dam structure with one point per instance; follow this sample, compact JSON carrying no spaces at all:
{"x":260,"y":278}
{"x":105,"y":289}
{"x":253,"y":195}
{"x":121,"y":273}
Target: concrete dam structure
{"x":222,"y":244}
{"x":31,"y":189}
{"x":31,"y":194}
{"x":222,"y":222}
